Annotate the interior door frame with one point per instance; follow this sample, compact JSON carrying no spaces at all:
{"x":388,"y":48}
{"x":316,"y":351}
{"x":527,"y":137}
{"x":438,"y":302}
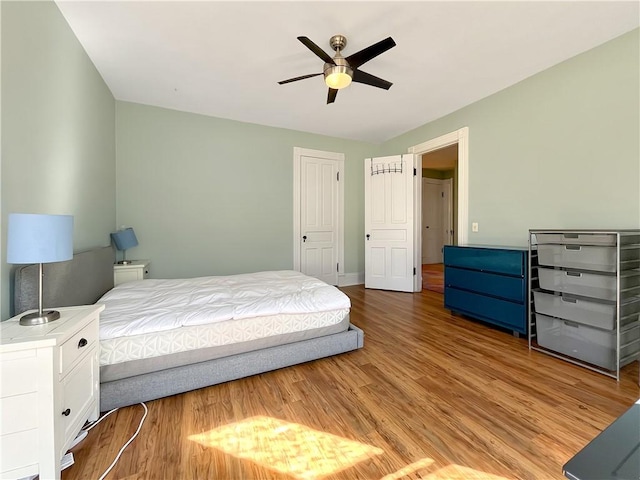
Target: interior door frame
{"x":298,"y":153}
{"x":461,"y":137}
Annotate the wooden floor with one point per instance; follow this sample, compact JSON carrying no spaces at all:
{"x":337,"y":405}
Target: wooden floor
{"x":431,"y":396}
{"x":433,"y":277}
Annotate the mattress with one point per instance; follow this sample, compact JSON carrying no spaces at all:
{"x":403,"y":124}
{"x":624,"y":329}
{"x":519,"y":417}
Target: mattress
{"x":151,"y":325}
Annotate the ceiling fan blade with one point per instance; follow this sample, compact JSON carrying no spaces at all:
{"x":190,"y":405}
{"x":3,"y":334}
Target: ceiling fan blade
{"x":317,"y":50}
{"x":299,"y":78}
{"x":331,"y":97}
{"x":368,"y":79}
{"x":370,"y":52}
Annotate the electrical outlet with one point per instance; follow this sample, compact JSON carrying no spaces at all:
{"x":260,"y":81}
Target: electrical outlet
{"x":474,"y":227}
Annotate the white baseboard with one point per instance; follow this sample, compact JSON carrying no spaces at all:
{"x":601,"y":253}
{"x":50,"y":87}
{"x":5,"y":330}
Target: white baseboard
{"x":348,"y":279}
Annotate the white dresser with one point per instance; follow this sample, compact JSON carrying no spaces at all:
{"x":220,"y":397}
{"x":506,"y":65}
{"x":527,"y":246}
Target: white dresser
{"x":49,"y":387}
{"x":136,"y":270}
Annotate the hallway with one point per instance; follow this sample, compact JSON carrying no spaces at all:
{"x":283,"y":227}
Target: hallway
{"x":433,"y":277}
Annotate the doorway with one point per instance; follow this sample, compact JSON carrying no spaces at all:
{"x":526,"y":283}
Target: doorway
{"x":458,"y":144}
{"x":438,"y":172}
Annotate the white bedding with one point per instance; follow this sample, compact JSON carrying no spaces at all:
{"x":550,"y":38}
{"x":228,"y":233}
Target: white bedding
{"x":149,"y":306}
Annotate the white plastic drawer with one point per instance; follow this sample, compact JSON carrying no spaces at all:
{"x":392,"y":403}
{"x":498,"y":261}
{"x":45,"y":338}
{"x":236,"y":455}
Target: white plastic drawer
{"x":595,"y":314}
{"x":585,"y":343}
{"x":587,"y":257}
{"x":577,"y":238}
{"x":587,"y":284}
{"x":78,"y":345}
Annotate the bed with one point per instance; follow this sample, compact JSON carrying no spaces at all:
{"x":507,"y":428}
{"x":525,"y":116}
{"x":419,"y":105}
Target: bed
{"x":177,"y":343}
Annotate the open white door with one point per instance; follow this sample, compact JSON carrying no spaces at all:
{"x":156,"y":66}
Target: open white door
{"x":389,"y":223}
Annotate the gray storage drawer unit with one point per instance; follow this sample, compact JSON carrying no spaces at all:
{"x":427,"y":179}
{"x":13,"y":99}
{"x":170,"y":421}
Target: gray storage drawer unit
{"x":584,"y":294}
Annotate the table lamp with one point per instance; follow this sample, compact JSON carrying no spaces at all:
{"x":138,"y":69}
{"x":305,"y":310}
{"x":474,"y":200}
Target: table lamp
{"x":35,"y":238}
{"x":124,"y":239}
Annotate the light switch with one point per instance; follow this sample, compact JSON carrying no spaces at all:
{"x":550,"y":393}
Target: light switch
{"x":474,"y":227}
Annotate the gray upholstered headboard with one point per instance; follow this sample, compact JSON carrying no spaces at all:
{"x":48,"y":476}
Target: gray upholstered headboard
{"x":80,"y":281}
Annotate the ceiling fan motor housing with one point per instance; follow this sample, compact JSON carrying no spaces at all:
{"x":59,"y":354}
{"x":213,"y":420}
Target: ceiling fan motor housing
{"x":338,"y":42}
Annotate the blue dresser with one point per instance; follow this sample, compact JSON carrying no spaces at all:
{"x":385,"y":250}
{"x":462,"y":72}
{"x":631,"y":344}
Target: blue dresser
{"x":487,"y":283}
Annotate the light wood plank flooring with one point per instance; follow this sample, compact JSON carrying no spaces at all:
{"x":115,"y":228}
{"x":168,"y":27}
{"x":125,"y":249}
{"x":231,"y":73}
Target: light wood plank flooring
{"x":431,"y":395}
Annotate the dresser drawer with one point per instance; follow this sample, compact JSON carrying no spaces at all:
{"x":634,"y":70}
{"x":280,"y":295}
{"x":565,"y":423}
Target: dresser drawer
{"x":588,"y":344}
{"x":78,"y":345}
{"x":19,"y":452}
{"x":507,"y":262}
{"x":19,"y":372}
{"x":502,"y":312}
{"x":78,"y":396}
{"x":568,"y":238}
{"x":587,"y":257}
{"x":502,"y":286}
{"x":587,"y":284}
{"x":585,"y":311}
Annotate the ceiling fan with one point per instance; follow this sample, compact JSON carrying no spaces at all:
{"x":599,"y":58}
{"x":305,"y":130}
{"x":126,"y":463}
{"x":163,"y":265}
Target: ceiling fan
{"x":339,"y":71}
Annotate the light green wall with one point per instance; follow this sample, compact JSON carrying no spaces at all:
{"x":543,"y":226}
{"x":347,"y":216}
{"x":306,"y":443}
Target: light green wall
{"x":211,"y":196}
{"x":58,"y":129}
{"x":206,"y":195}
{"x":560,"y":149}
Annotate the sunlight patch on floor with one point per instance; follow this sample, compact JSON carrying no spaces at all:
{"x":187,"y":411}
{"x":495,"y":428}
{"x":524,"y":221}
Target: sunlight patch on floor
{"x":411,"y":468}
{"x":287,"y":447}
{"x":458,"y":472}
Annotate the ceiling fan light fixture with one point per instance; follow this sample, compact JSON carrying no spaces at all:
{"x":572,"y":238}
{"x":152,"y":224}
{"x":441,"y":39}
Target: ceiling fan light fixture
{"x":338,"y":76}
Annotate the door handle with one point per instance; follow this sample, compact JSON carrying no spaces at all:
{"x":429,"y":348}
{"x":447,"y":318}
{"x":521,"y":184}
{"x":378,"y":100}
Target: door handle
{"x":368,"y":236}
{"x":427,"y":226}
{"x":304,"y":238}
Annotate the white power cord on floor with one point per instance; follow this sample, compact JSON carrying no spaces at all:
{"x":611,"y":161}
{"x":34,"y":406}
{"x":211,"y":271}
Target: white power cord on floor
{"x":146,"y":410}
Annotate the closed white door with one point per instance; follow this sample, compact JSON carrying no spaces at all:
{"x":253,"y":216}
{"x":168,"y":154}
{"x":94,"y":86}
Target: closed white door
{"x":432,"y":228}
{"x":319,"y":218}
{"x":389,"y":223}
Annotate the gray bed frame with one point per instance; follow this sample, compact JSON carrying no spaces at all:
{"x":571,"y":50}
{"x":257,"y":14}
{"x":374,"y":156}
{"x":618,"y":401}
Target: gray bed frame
{"x":89,"y":275}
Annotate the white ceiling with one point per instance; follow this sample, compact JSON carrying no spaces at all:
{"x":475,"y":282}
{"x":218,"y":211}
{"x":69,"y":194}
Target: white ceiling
{"x":224,"y":59}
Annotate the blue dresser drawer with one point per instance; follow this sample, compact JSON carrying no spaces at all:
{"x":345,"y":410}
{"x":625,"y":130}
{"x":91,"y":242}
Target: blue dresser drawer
{"x":502,"y":286}
{"x":504,"y":261}
{"x":494,"y":310}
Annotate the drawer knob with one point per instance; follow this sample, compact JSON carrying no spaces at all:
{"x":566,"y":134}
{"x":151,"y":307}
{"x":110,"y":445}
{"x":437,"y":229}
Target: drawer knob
{"x":67,"y":412}
{"x":82,"y":343}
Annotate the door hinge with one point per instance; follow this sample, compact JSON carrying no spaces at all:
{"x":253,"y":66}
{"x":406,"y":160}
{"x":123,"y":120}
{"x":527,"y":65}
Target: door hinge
{"x":338,"y":176}
{"x":337,"y":267}
{"x":415,"y":171}
{"x":414,"y":270}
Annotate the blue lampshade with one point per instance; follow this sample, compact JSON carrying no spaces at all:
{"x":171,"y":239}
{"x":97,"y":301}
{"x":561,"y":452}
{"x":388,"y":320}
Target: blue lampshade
{"x":124,"y":239}
{"x":35,"y":238}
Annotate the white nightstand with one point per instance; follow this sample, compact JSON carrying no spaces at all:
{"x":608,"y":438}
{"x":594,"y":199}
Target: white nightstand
{"x":49,"y":388}
{"x":136,"y":270}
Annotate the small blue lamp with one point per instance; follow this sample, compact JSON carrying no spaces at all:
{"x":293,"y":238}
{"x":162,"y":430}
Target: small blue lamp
{"x":124,"y":239}
{"x":35,"y":238}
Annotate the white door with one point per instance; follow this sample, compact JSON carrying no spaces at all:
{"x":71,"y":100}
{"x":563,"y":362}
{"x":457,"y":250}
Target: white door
{"x":432,"y":228}
{"x":319,"y":218}
{"x":389,"y":223}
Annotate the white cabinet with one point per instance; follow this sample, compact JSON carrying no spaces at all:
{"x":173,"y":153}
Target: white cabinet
{"x":585,"y":296}
{"x":136,"y":270}
{"x":49,"y":389}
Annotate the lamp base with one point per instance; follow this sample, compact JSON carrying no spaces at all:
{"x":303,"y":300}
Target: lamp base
{"x":124,"y":262}
{"x":36,"y":319}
